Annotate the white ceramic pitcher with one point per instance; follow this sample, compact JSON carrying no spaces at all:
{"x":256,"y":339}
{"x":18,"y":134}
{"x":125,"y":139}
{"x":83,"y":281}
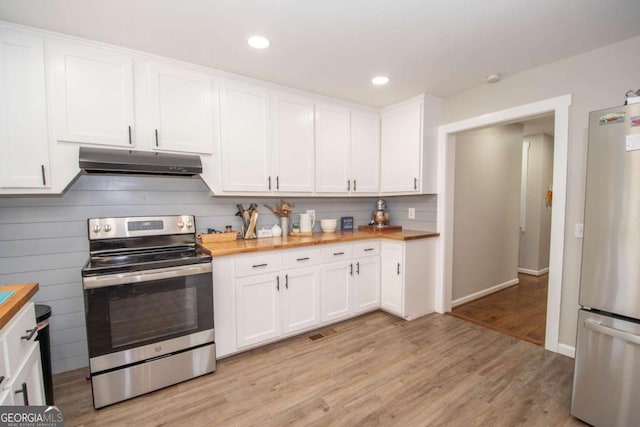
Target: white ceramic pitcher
{"x":306,"y":222}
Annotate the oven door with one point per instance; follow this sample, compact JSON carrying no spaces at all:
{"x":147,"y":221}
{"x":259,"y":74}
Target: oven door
{"x":136,"y":316}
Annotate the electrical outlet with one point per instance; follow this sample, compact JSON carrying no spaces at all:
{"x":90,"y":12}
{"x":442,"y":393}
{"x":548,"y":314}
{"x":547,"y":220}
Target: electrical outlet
{"x":412,"y":213}
{"x":579,"y":231}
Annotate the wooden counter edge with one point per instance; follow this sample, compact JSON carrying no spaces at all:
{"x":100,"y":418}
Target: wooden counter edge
{"x":260,"y":245}
{"x":23,"y":294}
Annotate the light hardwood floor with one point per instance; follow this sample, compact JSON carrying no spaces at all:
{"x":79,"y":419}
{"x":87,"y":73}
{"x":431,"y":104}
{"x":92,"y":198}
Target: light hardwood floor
{"x":372,"y":370}
{"x":519,"y":310}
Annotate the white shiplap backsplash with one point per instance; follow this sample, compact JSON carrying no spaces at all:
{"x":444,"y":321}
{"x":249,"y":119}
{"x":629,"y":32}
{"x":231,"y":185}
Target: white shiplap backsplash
{"x":44,"y":239}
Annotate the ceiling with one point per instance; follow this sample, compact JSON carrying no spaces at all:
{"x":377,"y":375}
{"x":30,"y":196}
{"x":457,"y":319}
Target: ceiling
{"x":335,"y":47}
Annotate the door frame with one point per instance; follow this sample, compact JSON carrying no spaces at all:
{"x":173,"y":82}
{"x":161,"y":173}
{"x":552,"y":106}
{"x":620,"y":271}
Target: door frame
{"x":446,"y":172}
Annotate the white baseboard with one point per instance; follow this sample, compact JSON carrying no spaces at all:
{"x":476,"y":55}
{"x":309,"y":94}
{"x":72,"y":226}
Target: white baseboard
{"x":567,"y":350}
{"x":484,"y":292}
{"x":533,"y":272}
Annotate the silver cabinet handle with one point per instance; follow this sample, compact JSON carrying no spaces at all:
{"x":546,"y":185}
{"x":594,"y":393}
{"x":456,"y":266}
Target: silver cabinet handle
{"x":355,"y":188}
{"x":157,"y":138}
{"x":338,"y":253}
{"x":348,"y":185}
{"x":286,"y":281}
{"x":277,"y":182}
{"x":131,"y":142}
{"x":303,"y":259}
{"x":258,"y":265}
{"x":398,"y":271}
{"x":368,"y":249}
{"x":44,"y":177}
{"x":269,"y":182}
{"x":415,"y":183}
{"x":277,"y":283}
{"x":595,"y":325}
{"x":351,"y":269}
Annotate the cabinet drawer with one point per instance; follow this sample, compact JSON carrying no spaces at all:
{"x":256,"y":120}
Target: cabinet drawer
{"x":335,"y":253}
{"x":300,"y":258}
{"x":370,"y":248}
{"x":248,"y":265}
{"x":22,"y":326}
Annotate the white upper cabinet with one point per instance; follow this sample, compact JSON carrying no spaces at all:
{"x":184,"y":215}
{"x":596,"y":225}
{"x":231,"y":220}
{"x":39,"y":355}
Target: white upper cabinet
{"x":92,"y":90}
{"x":409,"y":146}
{"x":245,"y":138}
{"x":333,"y":134}
{"x":401,"y":148}
{"x":365,"y":152}
{"x":181,"y":109}
{"x":24,"y":162}
{"x":293,"y":165}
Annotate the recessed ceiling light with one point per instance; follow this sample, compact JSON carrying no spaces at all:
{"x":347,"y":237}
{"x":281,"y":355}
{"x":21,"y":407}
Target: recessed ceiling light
{"x":380,"y":80}
{"x":259,"y":42}
{"x":493,"y":78}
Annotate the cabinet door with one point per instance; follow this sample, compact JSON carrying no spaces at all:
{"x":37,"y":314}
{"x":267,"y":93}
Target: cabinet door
{"x":332,"y":149}
{"x":365,"y":152}
{"x":245,"y":141}
{"x":92,"y":94}
{"x":401,"y":142}
{"x":293,"y":165}
{"x":26,"y":385}
{"x":301,"y":299}
{"x":337,"y":294}
{"x":392,"y":286}
{"x":367,"y":284}
{"x":181,"y":109}
{"x":23,"y":116}
{"x":258,"y":309}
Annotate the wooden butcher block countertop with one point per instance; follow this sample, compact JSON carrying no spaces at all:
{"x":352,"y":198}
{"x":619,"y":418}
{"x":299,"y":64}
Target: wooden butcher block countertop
{"x":22,"y":294}
{"x":236,"y":247}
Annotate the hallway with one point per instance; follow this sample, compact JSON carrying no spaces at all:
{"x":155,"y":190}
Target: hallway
{"x":519,"y":311}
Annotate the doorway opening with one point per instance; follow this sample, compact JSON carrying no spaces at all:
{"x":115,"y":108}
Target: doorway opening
{"x":559,"y":107}
{"x":502,"y":219}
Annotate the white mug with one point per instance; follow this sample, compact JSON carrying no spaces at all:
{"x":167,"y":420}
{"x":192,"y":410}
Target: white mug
{"x":306,"y":223}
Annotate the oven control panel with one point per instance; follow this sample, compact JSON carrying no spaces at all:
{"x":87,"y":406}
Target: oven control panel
{"x":119,"y":227}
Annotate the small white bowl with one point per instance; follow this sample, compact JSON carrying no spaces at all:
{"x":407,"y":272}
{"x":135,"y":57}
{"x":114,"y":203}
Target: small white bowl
{"x":328,"y":225}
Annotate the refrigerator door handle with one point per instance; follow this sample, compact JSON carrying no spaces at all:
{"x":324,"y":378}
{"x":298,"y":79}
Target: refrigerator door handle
{"x":595,"y":325}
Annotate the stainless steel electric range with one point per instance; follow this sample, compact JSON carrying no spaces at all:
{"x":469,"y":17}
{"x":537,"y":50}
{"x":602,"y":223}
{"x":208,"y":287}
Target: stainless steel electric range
{"x":148,"y":296}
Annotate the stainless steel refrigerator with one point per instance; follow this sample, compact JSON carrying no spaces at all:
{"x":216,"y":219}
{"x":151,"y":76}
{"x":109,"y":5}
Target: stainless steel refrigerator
{"x":606,"y":385}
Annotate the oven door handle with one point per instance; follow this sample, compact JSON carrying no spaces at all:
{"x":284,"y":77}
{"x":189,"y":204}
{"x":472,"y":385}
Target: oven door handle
{"x":133,"y":277}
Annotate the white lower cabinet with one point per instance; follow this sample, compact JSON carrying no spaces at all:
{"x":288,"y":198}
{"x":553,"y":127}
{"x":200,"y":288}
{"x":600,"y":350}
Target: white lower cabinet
{"x":408,"y":274}
{"x":367,"y":284}
{"x":337,"y":277}
{"x":300,"y":299}
{"x":262,"y":297}
{"x":278,"y":302}
{"x":258,"y":308}
{"x":22,"y":382}
{"x":350,"y":280}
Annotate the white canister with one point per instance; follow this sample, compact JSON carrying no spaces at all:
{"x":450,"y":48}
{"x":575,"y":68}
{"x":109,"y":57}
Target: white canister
{"x":306,"y":223}
{"x":276,"y":231}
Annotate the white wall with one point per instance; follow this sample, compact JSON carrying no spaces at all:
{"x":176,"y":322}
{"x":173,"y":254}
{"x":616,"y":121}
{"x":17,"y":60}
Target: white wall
{"x":596,"y":79}
{"x":487,"y":207}
{"x":534,"y":240}
{"x":44,"y":239}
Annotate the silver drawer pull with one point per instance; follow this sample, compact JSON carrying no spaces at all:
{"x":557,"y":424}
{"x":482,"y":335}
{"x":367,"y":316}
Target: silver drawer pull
{"x":303,"y":259}
{"x":30,"y":334}
{"x":258,"y":265}
{"x":368,"y":249}
{"x":338,"y":253}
